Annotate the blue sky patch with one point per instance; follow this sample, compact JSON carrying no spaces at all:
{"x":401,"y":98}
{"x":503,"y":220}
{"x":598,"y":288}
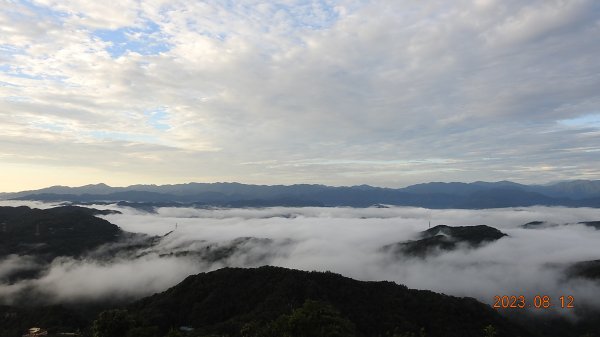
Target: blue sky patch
{"x":9,"y":50}
{"x":43,"y":11}
{"x":157,"y":118}
{"x":20,"y":74}
{"x":146,"y":41}
{"x":48,"y":126}
{"x":317,"y":15}
{"x":591,"y":120}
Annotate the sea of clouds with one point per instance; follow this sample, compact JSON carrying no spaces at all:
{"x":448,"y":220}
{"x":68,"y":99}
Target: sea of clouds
{"x":348,"y":241}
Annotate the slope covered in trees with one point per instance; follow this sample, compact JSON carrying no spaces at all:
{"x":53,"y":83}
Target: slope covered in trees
{"x":442,"y":237}
{"x":272,"y":301}
{"x":60,"y":231}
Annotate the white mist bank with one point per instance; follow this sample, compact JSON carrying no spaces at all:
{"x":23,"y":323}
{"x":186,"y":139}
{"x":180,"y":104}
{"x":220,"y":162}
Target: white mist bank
{"x":343,"y":240}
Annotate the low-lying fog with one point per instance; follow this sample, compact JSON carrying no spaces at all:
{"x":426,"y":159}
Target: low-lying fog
{"x":343,"y":240}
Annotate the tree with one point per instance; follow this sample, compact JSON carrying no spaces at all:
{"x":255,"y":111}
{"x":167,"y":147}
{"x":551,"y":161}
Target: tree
{"x":410,"y":334}
{"x":112,"y":323}
{"x":174,"y":333}
{"x":250,"y":329}
{"x":146,"y":331}
{"x":313,"y":319}
{"x":489,"y":331}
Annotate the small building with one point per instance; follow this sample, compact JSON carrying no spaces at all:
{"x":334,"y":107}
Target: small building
{"x":35,"y":332}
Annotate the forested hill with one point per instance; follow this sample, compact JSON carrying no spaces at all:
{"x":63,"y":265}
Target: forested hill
{"x":273,"y":301}
{"x":60,"y":231}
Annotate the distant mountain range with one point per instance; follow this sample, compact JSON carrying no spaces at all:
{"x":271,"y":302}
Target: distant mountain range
{"x":578,"y":193}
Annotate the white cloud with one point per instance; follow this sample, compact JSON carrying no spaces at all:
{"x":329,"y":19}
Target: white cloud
{"x":303,"y":81}
{"x":343,"y":240}
{"x":96,"y":14}
{"x":15,"y":263}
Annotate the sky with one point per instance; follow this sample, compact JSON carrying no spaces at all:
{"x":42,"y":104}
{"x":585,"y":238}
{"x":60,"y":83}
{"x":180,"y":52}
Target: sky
{"x":347,"y":92}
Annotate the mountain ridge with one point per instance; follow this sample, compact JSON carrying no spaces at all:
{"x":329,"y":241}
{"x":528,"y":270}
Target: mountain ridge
{"x":475,"y":195}
{"x":229,"y":300}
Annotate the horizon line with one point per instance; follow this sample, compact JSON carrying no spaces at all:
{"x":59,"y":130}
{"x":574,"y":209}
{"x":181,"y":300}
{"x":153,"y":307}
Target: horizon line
{"x":295,"y":184}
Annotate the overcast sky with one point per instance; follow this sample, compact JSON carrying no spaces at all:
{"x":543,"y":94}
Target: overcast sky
{"x":344,"y":92}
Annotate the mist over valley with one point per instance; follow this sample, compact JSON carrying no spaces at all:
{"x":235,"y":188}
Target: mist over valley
{"x":473,"y":253}
{"x":305,"y":168}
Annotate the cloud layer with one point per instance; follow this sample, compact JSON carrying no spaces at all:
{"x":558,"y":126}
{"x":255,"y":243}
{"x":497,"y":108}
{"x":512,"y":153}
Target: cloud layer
{"x":528,"y":262}
{"x":337,"y":92}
